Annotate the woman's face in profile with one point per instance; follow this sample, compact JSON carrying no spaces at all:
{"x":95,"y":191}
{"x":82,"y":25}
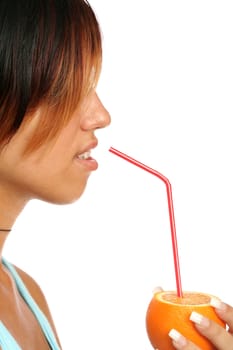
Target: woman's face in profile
{"x":56,"y":172}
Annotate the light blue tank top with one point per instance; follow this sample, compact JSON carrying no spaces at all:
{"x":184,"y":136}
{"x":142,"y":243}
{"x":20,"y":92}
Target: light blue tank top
{"x":7,"y":342}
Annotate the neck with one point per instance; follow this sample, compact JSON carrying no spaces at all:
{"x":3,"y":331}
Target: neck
{"x":10,"y":208}
{"x":3,"y":237}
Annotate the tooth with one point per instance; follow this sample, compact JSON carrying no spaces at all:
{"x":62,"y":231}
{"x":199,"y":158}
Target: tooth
{"x":84,"y":155}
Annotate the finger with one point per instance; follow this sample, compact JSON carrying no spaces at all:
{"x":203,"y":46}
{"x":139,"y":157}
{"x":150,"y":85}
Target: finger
{"x":224,"y":311}
{"x":180,"y":342}
{"x":157,"y":290}
{"x":217,"y":335}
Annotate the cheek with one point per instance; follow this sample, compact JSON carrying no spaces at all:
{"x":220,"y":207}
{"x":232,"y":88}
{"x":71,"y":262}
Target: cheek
{"x":52,"y":182}
{"x":52,"y":176}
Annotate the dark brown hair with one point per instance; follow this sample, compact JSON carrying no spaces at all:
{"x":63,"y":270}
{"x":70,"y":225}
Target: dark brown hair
{"x":50,"y":57}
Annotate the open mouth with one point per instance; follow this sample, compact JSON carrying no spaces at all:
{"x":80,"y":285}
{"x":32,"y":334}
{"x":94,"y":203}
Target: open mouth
{"x":85,"y":155}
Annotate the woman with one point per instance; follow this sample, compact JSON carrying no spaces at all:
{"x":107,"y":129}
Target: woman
{"x":50,"y":59}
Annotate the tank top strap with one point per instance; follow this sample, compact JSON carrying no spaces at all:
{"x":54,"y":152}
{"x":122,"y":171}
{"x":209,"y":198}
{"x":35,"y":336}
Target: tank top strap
{"x":41,"y":318}
{"x":7,"y":342}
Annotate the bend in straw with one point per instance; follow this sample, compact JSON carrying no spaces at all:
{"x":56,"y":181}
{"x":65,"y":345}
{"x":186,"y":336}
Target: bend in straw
{"x":170,"y":208}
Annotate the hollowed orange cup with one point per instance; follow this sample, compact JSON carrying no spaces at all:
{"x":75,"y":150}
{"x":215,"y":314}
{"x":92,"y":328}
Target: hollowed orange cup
{"x":167,"y":311}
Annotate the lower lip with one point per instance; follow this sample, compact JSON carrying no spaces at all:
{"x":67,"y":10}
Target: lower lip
{"x":90,"y":164}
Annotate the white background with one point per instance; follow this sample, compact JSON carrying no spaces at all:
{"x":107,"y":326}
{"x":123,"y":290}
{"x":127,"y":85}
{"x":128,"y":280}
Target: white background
{"x":168,"y":82}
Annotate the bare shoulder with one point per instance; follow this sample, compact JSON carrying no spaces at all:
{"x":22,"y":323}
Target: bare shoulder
{"x":34,"y":289}
{"x":37,"y":294}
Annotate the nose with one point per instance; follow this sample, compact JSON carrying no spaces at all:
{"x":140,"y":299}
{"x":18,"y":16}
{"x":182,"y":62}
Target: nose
{"x":96,"y":115}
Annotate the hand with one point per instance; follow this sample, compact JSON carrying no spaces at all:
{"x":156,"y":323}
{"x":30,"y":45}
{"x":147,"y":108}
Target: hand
{"x":221,"y":338}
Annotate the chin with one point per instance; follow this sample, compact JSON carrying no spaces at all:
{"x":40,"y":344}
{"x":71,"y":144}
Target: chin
{"x":63,"y":197}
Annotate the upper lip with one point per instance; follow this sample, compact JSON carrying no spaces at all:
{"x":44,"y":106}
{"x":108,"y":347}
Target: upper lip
{"x":92,"y":144}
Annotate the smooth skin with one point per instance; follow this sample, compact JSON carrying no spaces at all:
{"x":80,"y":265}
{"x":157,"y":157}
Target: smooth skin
{"x":53,"y":173}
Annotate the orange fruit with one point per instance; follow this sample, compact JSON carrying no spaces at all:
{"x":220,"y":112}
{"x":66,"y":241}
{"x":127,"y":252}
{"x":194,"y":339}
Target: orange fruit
{"x":166,"y":311}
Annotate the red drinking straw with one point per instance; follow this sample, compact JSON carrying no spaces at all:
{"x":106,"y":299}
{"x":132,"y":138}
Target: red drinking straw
{"x":171,"y":213}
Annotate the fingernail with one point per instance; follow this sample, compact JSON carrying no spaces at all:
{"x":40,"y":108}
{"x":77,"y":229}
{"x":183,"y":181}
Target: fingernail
{"x":218,"y":304}
{"x":178,"y":338}
{"x":199,"y":319}
{"x":157,"y":290}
